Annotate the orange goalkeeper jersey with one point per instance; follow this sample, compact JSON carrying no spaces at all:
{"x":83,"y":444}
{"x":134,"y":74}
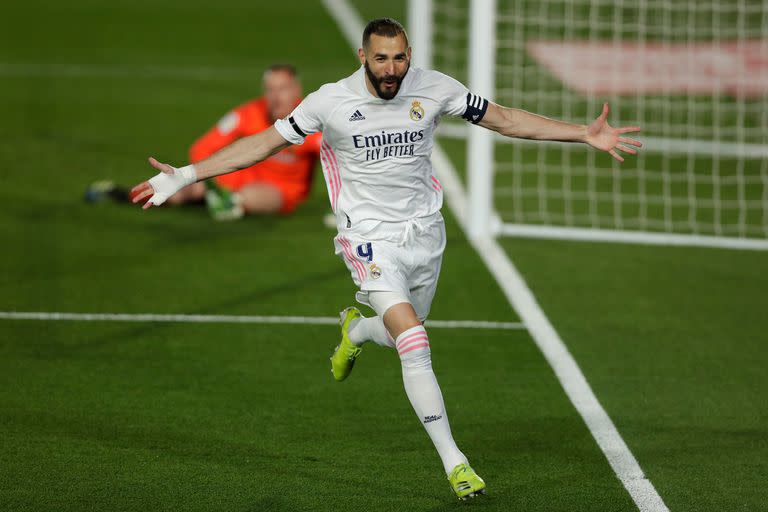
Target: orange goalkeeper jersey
{"x":290,"y":170}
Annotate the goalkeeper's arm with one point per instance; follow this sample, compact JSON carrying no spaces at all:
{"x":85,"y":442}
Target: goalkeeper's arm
{"x":513,"y":122}
{"x":240,"y":154}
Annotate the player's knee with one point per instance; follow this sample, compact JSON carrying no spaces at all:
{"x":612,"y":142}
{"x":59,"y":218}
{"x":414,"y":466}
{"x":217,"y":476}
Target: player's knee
{"x":261,"y":198}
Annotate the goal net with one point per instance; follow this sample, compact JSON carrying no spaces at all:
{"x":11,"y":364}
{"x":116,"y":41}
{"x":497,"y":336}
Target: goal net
{"x":693,"y":75}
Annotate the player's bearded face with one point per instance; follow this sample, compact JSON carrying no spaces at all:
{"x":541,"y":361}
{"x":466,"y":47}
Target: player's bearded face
{"x":386,"y":61}
{"x":387,"y":83}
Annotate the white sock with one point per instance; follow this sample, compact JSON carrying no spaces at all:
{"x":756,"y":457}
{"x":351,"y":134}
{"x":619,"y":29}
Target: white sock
{"x":370,"y":329}
{"x":425,"y":396}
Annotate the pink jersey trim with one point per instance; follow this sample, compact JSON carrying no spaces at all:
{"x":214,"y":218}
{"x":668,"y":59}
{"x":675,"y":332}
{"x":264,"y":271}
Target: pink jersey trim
{"x":328,"y":176}
{"x":334,"y":176}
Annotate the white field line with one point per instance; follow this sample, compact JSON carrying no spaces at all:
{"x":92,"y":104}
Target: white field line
{"x":555,"y":352}
{"x":234,"y":319}
{"x":571,"y":378}
{"x":543,"y":333}
{"x":631,"y":237}
{"x":348,"y":21}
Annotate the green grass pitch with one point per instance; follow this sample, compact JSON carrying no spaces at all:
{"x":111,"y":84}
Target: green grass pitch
{"x":150,"y":416}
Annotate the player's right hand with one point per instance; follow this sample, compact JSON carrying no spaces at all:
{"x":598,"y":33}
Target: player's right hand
{"x":162,"y":186}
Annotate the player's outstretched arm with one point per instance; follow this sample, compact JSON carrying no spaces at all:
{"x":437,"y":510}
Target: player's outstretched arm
{"x":240,"y":154}
{"x":512,"y":122}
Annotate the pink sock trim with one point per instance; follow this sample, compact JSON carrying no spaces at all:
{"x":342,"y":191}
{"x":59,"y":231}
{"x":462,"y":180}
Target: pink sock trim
{"x":413,"y":338}
{"x":414,"y":347}
{"x":412,"y":341}
{"x":419,"y":331}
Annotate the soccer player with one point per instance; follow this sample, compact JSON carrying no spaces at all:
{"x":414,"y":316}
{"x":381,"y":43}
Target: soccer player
{"x":276,"y":185}
{"x":279,"y":183}
{"x":378,"y":131}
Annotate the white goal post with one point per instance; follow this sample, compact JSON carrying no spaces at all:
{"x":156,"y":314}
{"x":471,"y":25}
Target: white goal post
{"x":692,"y":74}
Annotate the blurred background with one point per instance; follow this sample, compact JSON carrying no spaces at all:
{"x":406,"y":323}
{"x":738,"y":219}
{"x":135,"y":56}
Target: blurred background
{"x":144,"y":414}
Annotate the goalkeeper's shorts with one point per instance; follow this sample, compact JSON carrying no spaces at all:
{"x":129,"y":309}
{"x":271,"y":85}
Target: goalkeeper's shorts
{"x":293,"y":194}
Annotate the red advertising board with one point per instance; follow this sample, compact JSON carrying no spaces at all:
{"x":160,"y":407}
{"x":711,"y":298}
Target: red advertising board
{"x":738,"y":68}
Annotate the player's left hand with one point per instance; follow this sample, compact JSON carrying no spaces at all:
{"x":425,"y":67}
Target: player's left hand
{"x":604,"y":137}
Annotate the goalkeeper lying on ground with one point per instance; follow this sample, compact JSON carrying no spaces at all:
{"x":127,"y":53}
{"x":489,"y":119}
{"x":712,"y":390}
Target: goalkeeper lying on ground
{"x":279,"y":184}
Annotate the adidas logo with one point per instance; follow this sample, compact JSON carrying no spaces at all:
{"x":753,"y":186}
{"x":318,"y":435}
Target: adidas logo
{"x":357,"y":116}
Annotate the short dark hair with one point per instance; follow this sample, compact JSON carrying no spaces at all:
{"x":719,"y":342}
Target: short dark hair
{"x":288,"y":68}
{"x":386,"y":27}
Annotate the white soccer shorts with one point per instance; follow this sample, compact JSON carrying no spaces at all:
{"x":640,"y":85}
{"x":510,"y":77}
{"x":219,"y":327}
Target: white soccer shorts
{"x":403,"y":258}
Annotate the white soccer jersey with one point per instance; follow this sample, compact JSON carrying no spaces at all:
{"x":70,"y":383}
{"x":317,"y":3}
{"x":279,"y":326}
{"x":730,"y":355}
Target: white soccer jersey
{"x":376,"y":153}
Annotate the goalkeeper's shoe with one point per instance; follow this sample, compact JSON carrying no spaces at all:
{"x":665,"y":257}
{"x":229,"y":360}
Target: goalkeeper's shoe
{"x":221,"y":203}
{"x":465,"y":482}
{"x":101,"y":190}
{"x":343,"y":358}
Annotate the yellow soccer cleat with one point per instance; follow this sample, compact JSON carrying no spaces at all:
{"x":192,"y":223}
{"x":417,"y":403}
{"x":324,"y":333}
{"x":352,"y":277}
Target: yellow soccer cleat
{"x":465,"y":482}
{"x":343,"y":358}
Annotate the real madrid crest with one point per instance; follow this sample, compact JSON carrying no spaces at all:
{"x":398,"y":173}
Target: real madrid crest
{"x":417,"y":113}
{"x":375,"y":271}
